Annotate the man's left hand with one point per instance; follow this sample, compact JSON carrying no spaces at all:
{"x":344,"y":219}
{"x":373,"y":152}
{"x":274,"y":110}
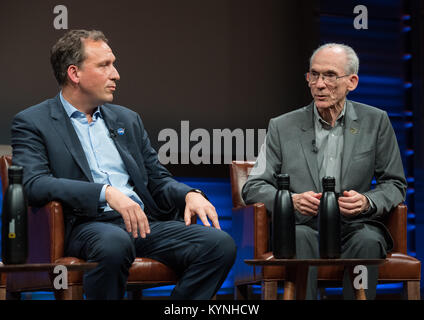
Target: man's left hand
{"x":197,"y":204}
{"x":353,"y":203}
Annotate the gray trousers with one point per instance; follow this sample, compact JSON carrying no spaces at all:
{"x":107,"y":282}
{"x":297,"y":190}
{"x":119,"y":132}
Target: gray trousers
{"x":359,"y":240}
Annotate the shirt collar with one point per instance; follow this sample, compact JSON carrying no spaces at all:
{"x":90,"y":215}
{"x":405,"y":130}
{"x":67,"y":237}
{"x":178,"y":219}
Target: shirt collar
{"x":325,"y":124}
{"x":73,"y":112}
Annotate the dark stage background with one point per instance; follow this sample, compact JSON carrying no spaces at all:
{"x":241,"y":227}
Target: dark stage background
{"x":228,"y":64}
{"x":215,"y":63}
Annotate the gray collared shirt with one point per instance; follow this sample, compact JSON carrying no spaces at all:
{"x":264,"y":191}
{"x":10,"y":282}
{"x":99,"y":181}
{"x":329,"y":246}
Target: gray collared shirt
{"x":329,"y":144}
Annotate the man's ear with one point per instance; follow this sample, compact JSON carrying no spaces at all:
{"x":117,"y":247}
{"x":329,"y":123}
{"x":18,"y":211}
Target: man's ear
{"x":73,"y":74}
{"x":352,"y":82}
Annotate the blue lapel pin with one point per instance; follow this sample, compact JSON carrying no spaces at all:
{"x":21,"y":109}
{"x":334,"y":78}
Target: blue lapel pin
{"x":121,"y":131}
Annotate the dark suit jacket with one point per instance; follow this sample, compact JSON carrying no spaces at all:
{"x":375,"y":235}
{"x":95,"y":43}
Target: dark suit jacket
{"x":55,"y":167}
{"x":370,"y":150}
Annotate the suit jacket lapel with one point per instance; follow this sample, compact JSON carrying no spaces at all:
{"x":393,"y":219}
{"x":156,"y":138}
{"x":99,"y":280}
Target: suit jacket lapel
{"x":66,"y":131}
{"x":137,"y":173}
{"x":351,"y":136}
{"x":120,"y":140}
{"x":308,"y":135}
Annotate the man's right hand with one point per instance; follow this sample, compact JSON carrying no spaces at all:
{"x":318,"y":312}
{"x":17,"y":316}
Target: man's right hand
{"x":134,"y":217}
{"x":307,"y":203}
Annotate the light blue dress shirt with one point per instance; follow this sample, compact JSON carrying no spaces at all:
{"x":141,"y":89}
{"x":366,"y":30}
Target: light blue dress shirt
{"x":105,"y":162}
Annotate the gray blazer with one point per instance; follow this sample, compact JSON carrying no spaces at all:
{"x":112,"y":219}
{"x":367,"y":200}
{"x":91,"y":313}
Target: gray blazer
{"x":370,"y":150}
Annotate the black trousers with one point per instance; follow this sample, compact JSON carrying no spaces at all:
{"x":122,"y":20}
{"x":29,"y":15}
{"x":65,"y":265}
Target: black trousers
{"x":359,"y":240}
{"x":202,"y":256}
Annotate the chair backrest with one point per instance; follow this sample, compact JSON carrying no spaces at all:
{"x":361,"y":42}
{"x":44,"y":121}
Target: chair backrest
{"x":395,"y":221}
{"x":5,"y":163}
{"x":45,"y":224}
{"x":239,"y":171}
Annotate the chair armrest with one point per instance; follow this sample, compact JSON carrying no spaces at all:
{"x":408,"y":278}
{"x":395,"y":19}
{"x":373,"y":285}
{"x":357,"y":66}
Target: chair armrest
{"x":250,"y":230}
{"x":250,"y":233}
{"x":46,"y":233}
{"x":396,"y":222}
{"x":2,"y":278}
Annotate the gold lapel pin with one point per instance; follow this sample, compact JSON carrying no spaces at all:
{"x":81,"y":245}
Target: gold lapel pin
{"x":353,"y":130}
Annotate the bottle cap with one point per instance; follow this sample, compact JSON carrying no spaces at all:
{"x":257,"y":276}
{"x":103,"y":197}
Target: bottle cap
{"x":328,"y":183}
{"x":283,"y":181}
{"x":15,"y":174}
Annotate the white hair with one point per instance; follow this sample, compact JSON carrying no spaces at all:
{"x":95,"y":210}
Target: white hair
{"x":352,"y":66}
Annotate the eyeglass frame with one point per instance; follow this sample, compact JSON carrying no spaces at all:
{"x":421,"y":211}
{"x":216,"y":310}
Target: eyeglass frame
{"x":324,"y":77}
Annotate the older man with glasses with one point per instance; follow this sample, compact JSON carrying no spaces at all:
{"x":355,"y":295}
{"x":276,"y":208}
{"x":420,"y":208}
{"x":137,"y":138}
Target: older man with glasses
{"x":333,"y":136}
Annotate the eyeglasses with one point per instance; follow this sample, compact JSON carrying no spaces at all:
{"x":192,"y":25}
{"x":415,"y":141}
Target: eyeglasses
{"x":329,"y":79}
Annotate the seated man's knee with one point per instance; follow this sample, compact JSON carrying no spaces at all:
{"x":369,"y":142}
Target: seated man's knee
{"x":305,"y":233}
{"x":306,"y":242}
{"x":366,"y":244}
{"x":116,"y":249}
{"x":223,"y":245}
{"x":227,"y":246}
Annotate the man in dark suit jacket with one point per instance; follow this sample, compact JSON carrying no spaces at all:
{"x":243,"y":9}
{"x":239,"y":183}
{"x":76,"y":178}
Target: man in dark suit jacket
{"x":119,"y":201}
{"x":336,"y":137}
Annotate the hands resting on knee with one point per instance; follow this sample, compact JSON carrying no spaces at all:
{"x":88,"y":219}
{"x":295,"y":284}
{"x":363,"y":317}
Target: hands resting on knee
{"x":135,"y":218}
{"x":197,"y":204}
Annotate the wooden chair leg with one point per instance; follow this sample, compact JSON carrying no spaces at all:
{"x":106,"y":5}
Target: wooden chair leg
{"x":241,"y":292}
{"x":322,"y":293}
{"x":136,"y":294}
{"x":3,"y":281}
{"x":289,"y":290}
{"x":74,"y":292}
{"x":13,"y":295}
{"x":412,"y":289}
{"x":359,"y":293}
{"x":269,"y":290}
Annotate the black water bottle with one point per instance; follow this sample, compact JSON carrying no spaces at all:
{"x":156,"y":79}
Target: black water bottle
{"x":283,"y":221}
{"x":329,"y":221}
{"x":14,"y":220}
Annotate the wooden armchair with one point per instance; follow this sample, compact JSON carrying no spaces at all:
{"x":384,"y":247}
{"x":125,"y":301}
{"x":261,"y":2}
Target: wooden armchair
{"x":250,"y":231}
{"x":2,"y":285}
{"x":46,"y":245}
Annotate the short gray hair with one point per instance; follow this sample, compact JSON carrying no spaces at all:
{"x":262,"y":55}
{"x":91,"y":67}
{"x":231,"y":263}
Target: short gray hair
{"x":69,"y":49}
{"x":352,"y":66}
